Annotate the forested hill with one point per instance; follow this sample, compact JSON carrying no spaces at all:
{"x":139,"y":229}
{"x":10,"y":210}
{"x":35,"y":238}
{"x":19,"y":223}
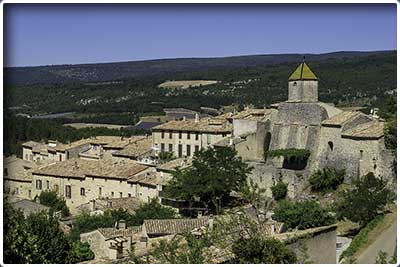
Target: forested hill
{"x":61,"y":74}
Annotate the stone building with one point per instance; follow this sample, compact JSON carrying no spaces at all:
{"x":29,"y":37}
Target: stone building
{"x":347,"y":140}
{"x":183,"y":138}
{"x":79,"y":181}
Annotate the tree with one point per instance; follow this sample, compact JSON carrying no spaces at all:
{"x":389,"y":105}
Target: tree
{"x":80,"y":252}
{"x":152,"y":210}
{"x":51,"y":199}
{"x":365,"y":200}
{"x":214,"y":173}
{"x":279,"y":191}
{"x":258,"y":249}
{"x":326,"y":180}
{"x":302,"y":215}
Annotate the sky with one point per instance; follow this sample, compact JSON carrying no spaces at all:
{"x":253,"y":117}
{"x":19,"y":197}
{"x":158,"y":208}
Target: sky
{"x":45,"y":34}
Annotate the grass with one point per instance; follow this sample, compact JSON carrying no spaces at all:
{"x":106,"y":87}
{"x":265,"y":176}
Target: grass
{"x":368,"y":235}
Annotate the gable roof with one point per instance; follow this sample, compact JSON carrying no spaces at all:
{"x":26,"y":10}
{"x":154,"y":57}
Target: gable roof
{"x":341,"y":118}
{"x":303,"y":72}
{"x":174,"y":226}
{"x":126,"y":232}
{"x":209,"y":125}
{"x":369,"y":130}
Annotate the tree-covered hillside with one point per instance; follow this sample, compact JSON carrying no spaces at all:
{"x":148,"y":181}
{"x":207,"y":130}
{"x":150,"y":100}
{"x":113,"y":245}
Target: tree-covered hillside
{"x":359,"y":79}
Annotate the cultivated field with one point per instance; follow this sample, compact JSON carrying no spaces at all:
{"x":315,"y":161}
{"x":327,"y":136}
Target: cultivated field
{"x":186,"y":84}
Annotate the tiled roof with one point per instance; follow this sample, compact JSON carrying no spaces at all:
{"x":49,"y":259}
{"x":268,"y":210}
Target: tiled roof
{"x":289,"y":237}
{"x":29,"y":207}
{"x":152,"y":179}
{"x":227,"y":141}
{"x":176,"y":163}
{"x":342,"y":118}
{"x":17,"y":169}
{"x":174,"y":226}
{"x":303,"y":72}
{"x":80,"y":168}
{"x":126,"y":232}
{"x":31,"y":144}
{"x":253,"y":114}
{"x":372,"y":129}
{"x":135,"y":149}
{"x":210,"y":125}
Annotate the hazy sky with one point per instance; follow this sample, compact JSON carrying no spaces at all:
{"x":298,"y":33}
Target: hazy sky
{"x":68,"y":34}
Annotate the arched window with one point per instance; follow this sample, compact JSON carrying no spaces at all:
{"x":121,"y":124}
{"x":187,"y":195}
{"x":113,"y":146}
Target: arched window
{"x":361,"y":154}
{"x":330,"y":143}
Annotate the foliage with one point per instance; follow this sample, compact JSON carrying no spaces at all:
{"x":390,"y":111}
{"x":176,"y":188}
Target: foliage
{"x":365,"y":200}
{"x":51,"y":199}
{"x":361,"y":238}
{"x":327,"y":179}
{"x":258,"y":249}
{"x":279,"y":190}
{"x":290,"y":154}
{"x":302,"y":215}
{"x":389,"y":113}
{"x":80,"y":252}
{"x":255,"y":195}
{"x":165,"y":156}
{"x":152,"y":210}
{"x":214,"y":173}
{"x":36,"y":239}
{"x":382,"y":258}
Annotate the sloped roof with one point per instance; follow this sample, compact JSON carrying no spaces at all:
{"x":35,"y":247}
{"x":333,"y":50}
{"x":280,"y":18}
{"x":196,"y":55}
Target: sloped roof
{"x":369,"y":130}
{"x":341,"y":118}
{"x":254,"y":114}
{"x":210,"y":125}
{"x":112,"y":232}
{"x":135,"y":149}
{"x":174,"y":226}
{"x":303,"y":72}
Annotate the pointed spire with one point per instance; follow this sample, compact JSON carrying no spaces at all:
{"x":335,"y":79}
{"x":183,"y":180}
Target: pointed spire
{"x":303,"y":72}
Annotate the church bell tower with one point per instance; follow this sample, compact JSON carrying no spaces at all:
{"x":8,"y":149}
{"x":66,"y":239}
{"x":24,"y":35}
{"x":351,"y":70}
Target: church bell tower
{"x":303,"y":85}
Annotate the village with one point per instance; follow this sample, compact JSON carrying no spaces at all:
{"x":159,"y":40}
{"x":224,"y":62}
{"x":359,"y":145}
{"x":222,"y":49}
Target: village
{"x":283,"y":144}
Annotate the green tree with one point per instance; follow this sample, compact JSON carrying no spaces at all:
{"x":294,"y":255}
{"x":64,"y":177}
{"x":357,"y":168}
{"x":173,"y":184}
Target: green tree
{"x":51,"y":199}
{"x":80,"y":252}
{"x":302,"y":215}
{"x":258,"y":249}
{"x":214,"y":173}
{"x":279,"y":190}
{"x":152,"y":210}
{"x":365,"y":200}
{"x":327,"y":179}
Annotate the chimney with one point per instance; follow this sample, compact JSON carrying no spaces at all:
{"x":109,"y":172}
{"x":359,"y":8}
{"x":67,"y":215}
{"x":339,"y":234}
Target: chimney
{"x":184,"y":118}
{"x":196,"y":117}
{"x":122,"y":224}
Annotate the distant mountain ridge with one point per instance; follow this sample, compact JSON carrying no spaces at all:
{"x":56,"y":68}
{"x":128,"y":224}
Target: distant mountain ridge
{"x":100,"y":72}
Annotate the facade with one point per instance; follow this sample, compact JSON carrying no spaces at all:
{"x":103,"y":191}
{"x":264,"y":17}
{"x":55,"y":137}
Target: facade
{"x":80,"y":181}
{"x":183,"y":138}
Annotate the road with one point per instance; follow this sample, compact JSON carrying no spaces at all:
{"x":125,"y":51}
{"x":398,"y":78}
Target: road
{"x":385,"y":242}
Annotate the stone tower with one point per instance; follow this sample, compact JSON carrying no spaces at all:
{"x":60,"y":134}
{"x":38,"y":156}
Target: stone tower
{"x":303,"y":85}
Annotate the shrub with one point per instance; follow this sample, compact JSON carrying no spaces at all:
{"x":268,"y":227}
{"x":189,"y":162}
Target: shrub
{"x":50,"y":199}
{"x":326,"y":180}
{"x":303,"y":215}
{"x":279,"y":191}
{"x":368,"y":197}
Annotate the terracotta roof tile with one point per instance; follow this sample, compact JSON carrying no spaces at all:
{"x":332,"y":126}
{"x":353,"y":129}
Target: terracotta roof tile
{"x":112,"y":232}
{"x":174,"y":226}
{"x":342,"y":118}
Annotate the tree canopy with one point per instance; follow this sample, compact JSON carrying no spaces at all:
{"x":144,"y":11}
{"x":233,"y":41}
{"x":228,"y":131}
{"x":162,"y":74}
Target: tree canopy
{"x":213,"y":175}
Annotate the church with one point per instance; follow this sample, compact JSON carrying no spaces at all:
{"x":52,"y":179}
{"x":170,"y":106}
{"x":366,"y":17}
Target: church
{"x":324,"y":135}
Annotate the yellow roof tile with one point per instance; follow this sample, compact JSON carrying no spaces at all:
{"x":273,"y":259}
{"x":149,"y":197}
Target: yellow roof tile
{"x":303,"y":72}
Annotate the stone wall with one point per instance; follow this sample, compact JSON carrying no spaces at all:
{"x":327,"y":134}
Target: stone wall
{"x":319,"y":247}
{"x":97,"y":244}
{"x":303,"y":91}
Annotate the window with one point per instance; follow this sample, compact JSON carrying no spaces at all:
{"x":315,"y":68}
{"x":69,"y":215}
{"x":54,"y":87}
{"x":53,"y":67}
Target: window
{"x":60,"y":157}
{"x":196,"y":148}
{"x":17,"y":191}
{"x":82,"y":191}
{"x":208,"y":138}
{"x":31,"y":157}
{"x":47,"y":185}
{"x":68,"y":191}
{"x":197,"y":136}
{"x":162,"y":134}
{"x":112,"y":194}
{"x":39,"y":184}
{"x":224,"y":134}
{"x":129,"y":195}
{"x":295,"y":83}
{"x":361,"y":154}
{"x":179,"y":150}
{"x":170,"y":134}
{"x":120,"y":194}
{"x":330,"y":145}
{"x":188,"y":135}
{"x":188,"y":150}
{"x":5,"y":172}
{"x":30,"y":193}
{"x":162,"y":147}
{"x":170,"y":147}
{"x":56,"y":188}
{"x":180,"y":135}
{"x":99,"y":191}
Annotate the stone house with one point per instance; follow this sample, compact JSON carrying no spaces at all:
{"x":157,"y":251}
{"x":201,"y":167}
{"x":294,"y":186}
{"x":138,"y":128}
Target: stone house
{"x":112,"y":243}
{"x":79,"y":181}
{"x":183,"y":138}
{"x":17,"y":177}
